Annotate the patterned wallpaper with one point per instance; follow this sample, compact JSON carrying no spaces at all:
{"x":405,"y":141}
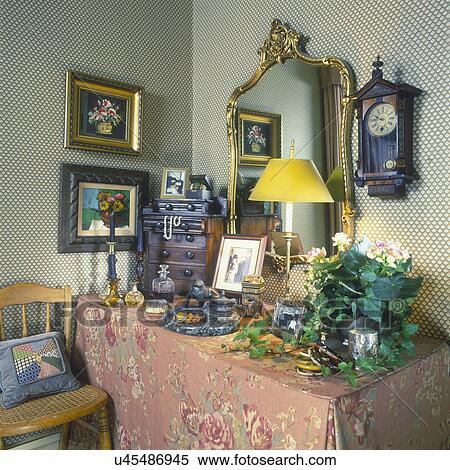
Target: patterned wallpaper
{"x":212,"y":50}
{"x":409,"y":36}
{"x":42,"y":39}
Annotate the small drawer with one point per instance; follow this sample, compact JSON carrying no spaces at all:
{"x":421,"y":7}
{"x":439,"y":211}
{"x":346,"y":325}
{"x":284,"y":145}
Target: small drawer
{"x":189,"y":240}
{"x":170,"y":254}
{"x":187,"y":225}
{"x":184,"y":272}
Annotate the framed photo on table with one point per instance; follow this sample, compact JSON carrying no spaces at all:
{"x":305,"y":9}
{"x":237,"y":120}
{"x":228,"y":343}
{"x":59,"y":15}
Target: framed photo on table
{"x":175,"y":183}
{"x":102,"y":114}
{"x":238,"y":257}
{"x":259,"y":137}
{"x":87,"y":196}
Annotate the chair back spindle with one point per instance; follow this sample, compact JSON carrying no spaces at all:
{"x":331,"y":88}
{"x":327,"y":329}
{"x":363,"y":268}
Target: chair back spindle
{"x":2,"y":329}
{"x":48,"y":325}
{"x":27,"y":293}
{"x":24,"y":321}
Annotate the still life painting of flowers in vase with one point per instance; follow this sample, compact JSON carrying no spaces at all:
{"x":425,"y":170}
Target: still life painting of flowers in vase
{"x":257,"y":138}
{"x":106,"y":115}
{"x":97,"y":201}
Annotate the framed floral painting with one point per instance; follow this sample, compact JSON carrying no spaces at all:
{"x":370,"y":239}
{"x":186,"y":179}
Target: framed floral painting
{"x":88,"y":195}
{"x":102,"y":114}
{"x":259,"y":137}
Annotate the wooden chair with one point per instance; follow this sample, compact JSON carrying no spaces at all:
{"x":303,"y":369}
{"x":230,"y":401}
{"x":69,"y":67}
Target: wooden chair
{"x":53,"y":410}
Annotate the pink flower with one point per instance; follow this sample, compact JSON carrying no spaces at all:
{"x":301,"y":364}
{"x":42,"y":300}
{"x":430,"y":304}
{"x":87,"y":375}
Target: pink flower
{"x":111,"y":199}
{"x":124,"y":437}
{"x":216,"y":432}
{"x":110,"y":335}
{"x":259,"y":429}
{"x":214,"y":399}
{"x":119,"y":196}
{"x":190,"y":415}
{"x":106,"y":103}
{"x":123,"y":376}
{"x":317,"y":252}
{"x":141,"y":336}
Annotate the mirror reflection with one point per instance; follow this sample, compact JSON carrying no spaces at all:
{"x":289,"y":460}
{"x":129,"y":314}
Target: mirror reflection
{"x":292,"y":101}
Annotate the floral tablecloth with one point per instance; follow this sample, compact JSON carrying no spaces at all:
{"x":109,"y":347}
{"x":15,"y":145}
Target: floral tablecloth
{"x":170,"y":391}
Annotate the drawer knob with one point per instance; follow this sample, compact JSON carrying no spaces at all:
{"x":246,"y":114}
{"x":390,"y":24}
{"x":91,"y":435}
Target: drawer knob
{"x":190,"y":238}
{"x":165,"y":254}
{"x":188,"y":272}
{"x":159,"y":225}
{"x":190,"y":255}
{"x":191,"y":207}
{"x":169,"y":207}
{"x":184,"y":227}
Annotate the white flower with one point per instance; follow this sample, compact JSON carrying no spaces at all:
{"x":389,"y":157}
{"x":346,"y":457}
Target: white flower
{"x":342,"y":241}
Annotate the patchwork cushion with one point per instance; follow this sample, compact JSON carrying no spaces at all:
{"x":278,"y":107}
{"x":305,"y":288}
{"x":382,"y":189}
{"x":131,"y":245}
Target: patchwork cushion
{"x":34,"y":366}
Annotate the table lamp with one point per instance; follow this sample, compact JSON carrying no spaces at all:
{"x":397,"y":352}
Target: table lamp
{"x":290,"y":180}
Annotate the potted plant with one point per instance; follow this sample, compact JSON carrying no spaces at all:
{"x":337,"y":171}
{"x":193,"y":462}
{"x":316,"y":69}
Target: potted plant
{"x":363,"y":284}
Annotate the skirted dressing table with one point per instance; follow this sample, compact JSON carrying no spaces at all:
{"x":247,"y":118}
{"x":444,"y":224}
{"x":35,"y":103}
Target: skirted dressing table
{"x":170,"y":391}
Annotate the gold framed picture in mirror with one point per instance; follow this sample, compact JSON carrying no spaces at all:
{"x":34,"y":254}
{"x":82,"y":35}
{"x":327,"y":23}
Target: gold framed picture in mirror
{"x":259,"y":137}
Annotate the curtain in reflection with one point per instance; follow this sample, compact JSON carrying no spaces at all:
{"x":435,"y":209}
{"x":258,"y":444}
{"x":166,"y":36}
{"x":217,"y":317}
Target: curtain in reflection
{"x":331,"y":98}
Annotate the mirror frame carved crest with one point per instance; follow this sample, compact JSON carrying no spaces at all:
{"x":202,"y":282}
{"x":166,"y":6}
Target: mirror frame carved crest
{"x":282,"y":44}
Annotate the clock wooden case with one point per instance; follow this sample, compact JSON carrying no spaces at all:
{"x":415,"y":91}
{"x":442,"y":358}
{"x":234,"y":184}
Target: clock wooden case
{"x":385,"y":130}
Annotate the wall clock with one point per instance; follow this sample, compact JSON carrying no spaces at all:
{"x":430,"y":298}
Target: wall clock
{"x":385,"y":130}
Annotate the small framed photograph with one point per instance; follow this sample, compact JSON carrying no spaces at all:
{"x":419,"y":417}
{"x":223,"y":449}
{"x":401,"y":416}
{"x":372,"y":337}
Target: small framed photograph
{"x":87,"y":196}
{"x":175,"y":183}
{"x":102,"y":114}
{"x":259,"y":137}
{"x":238,"y":257}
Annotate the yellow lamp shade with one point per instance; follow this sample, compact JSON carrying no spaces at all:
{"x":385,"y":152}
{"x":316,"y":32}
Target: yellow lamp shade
{"x":335,"y":184}
{"x":291,"y":180}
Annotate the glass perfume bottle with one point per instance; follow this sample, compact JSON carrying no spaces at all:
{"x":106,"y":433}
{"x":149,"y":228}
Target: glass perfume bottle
{"x":134,"y":298}
{"x":163,"y":287}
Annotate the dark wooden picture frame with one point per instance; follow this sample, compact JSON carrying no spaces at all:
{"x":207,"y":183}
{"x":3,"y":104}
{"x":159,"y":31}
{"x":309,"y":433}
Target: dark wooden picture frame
{"x":71,"y":176}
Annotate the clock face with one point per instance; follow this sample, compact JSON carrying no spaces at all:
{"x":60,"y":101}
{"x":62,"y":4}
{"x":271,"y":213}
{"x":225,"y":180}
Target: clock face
{"x":382,"y":119}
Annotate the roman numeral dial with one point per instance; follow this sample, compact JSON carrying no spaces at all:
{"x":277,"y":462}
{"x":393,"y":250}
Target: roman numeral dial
{"x":382,"y":119}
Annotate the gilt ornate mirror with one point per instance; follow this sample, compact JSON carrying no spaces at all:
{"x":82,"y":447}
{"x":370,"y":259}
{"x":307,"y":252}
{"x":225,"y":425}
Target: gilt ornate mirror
{"x":291,"y":96}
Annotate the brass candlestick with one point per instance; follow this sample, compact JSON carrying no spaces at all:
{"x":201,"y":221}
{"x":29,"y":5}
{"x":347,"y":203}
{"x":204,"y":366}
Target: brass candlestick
{"x":112,"y":296}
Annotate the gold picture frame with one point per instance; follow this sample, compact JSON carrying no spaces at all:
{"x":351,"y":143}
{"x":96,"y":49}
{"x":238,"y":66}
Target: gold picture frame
{"x":175,"y":183}
{"x":102,"y":114}
{"x":251,"y":151}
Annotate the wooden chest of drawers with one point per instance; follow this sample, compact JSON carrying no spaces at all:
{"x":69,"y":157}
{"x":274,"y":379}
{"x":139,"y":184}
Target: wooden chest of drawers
{"x":191,"y":253}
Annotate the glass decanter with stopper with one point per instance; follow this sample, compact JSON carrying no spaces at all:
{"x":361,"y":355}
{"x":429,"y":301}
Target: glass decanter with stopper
{"x":163,"y":286}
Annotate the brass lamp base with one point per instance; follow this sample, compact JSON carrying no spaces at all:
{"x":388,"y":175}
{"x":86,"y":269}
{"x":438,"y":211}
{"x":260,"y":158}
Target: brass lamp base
{"x":111,"y":299}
